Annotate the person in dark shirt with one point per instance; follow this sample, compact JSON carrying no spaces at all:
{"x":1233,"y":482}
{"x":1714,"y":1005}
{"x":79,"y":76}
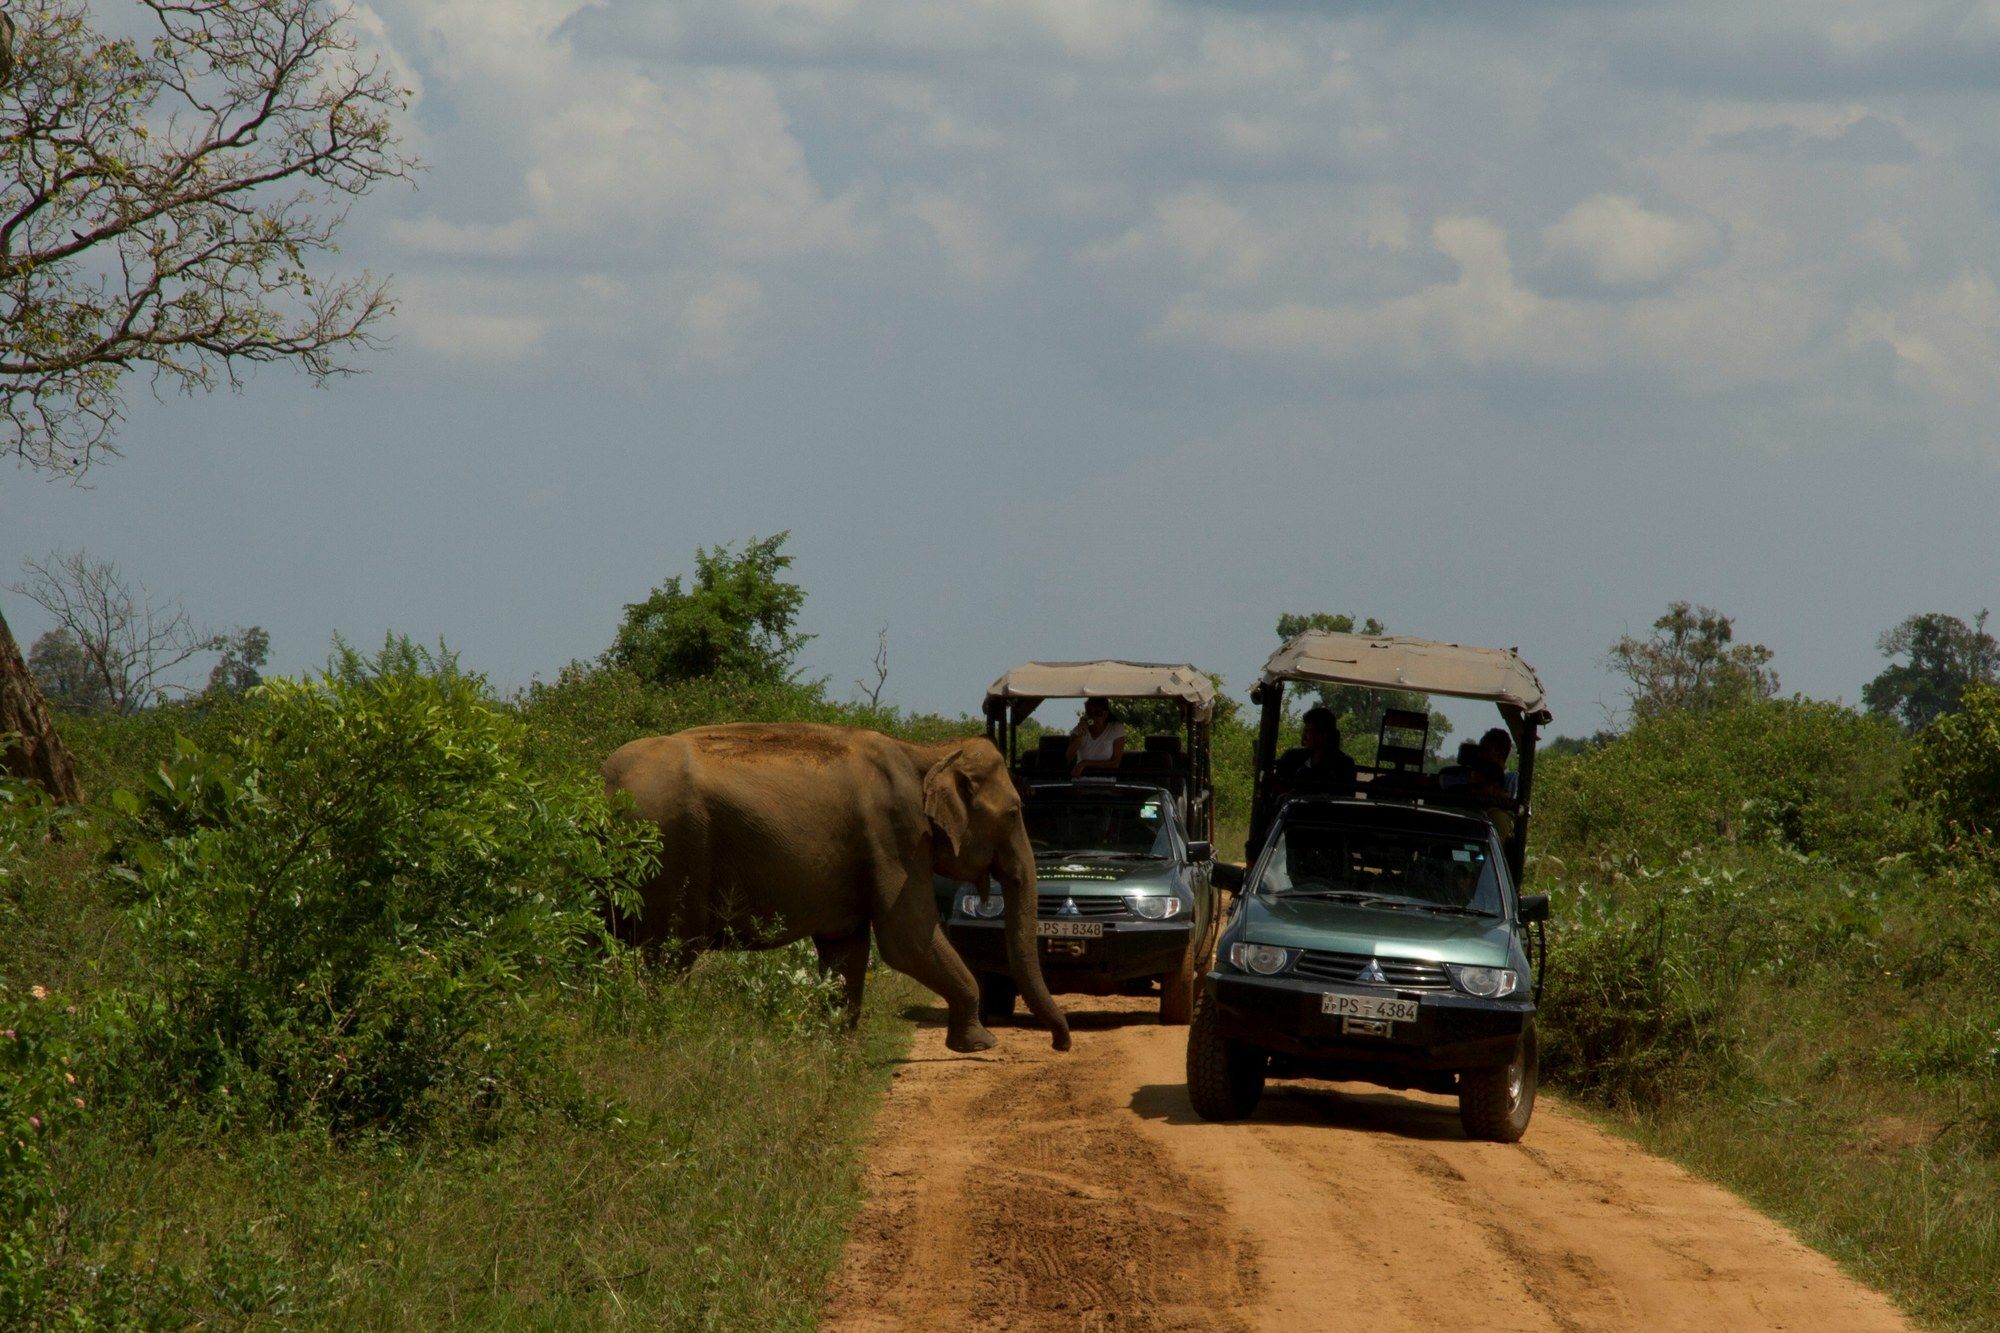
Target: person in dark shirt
{"x":1317,"y":764}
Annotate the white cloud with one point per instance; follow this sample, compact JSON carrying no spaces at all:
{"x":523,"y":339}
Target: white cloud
{"x":1206,"y":234}
{"x":714,"y":320}
{"x":1622,"y":244}
{"x":968,"y":237}
{"x":1946,"y":340}
{"x":1482,"y":316}
{"x":472,"y":337}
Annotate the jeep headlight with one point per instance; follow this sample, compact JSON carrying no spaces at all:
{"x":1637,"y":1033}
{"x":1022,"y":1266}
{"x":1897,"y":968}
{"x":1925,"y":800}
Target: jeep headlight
{"x":1264,"y":959}
{"x":1155,"y":906}
{"x":1488,"y":983}
{"x":973,"y":904}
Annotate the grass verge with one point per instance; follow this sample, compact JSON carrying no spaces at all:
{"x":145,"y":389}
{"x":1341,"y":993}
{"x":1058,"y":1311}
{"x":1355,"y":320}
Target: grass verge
{"x":711,"y":1188}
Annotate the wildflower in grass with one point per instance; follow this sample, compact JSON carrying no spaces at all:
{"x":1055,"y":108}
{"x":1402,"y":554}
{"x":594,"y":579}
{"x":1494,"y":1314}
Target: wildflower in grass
{"x":39,"y":992}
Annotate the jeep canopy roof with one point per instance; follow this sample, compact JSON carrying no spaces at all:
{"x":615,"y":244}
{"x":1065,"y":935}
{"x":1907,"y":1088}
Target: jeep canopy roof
{"x":1031,"y":682}
{"x":1497,"y":675}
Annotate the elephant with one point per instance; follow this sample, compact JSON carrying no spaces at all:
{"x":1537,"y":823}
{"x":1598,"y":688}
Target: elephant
{"x":774,"y":832}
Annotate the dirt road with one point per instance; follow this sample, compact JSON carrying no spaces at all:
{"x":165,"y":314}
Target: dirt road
{"x":1025,"y":1189}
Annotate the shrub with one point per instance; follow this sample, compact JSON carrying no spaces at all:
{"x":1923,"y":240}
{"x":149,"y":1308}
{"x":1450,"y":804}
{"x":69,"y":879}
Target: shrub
{"x":1956,"y":773}
{"x":575,"y":721}
{"x":1812,"y":777}
{"x":352,"y":903}
{"x":1647,"y":969}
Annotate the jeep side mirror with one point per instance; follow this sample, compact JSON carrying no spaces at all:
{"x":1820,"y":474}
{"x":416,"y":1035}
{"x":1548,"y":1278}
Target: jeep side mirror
{"x":1534,"y":907}
{"x":1227,"y":875}
{"x":1200,"y":851}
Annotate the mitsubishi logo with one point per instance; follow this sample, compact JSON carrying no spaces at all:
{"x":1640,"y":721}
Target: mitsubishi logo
{"x":1068,"y":908}
{"x":1372,"y":974}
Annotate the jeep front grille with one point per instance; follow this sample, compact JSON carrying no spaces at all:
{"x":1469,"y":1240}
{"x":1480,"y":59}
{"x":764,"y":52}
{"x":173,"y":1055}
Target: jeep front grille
{"x":1049,"y":905}
{"x":1400,"y":973}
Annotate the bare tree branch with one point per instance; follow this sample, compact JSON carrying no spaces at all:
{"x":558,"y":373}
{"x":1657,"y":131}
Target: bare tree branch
{"x":874,"y":692}
{"x":161,"y":204}
{"x":132,"y":644}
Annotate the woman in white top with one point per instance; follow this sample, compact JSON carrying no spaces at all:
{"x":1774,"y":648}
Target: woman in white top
{"x":1098,"y":743}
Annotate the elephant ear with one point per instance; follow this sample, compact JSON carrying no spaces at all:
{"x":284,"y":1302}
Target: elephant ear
{"x":947,"y":800}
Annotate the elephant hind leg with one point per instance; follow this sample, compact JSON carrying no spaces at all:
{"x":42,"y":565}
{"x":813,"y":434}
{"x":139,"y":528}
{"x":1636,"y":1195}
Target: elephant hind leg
{"x":846,"y":957}
{"x":927,"y":956}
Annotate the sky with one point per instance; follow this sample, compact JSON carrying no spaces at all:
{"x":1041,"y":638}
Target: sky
{"x":1081,"y":328}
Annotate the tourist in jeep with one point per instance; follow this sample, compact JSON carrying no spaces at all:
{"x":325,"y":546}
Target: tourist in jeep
{"x":1317,"y":764}
{"x":1098,"y":743}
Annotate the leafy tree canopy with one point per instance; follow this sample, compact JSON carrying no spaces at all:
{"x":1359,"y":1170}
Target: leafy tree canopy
{"x":66,"y":675}
{"x":164,"y":201}
{"x":1691,"y":662}
{"x":735,"y":619}
{"x":243,"y":656}
{"x":1945,"y":656}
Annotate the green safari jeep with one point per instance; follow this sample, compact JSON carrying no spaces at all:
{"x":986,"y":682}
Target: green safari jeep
{"x":1125,"y":898}
{"x":1379,"y":934}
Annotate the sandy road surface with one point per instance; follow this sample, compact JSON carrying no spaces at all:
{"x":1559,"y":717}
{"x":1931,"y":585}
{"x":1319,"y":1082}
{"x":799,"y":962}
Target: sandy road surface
{"x":1025,"y":1189}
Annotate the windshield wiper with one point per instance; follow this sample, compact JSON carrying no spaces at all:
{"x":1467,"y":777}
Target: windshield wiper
{"x":1450,"y":909}
{"x":1097,"y":853}
{"x":1336,"y":895}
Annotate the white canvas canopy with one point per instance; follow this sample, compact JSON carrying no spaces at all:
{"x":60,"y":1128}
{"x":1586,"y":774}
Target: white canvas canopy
{"x":1497,"y":675}
{"x":1110,"y":679}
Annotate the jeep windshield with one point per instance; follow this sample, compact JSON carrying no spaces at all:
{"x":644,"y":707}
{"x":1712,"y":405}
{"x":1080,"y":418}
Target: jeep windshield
{"x":1392,"y":868}
{"x":1127,"y":824}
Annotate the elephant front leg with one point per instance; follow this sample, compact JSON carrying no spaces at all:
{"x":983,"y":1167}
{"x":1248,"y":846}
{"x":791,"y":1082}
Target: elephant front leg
{"x":929,"y":958}
{"x":846,"y":956}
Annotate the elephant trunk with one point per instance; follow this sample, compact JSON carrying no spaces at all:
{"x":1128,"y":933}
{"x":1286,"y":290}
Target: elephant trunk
{"x":1015,"y":869}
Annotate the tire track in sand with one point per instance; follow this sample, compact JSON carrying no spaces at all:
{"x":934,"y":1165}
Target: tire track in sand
{"x":1022,"y":1189}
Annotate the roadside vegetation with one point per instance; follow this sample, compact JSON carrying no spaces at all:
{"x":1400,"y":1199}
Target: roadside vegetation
{"x":310,"y":1015}
{"x":1776,"y":957}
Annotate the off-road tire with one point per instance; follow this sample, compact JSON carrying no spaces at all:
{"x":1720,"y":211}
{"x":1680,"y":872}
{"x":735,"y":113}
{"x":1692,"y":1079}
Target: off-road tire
{"x":996,"y":998}
{"x":1495,"y":1104}
{"x":1224,"y":1078}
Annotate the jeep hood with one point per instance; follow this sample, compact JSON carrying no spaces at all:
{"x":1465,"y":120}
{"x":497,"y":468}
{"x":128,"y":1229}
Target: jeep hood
{"x":1378,"y":932}
{"x":1086,"y":876}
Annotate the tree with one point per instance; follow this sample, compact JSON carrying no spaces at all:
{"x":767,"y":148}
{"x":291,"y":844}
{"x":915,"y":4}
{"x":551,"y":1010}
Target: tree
{"x":735,"y":619}
{"x":1957,"y":766}
{"x":161,"y":200}
{"x":131,"y":644}
{"x":874,"y":692}
{"x":1946,"y":655}
{"x":30,"y":749}
{"x":64,"y":674}
{"x":243,"y":654}
{"x":1360,"y":710}
{"x":1691,"y":661}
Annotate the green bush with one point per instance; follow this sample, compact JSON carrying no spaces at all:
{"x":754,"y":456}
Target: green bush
{"x":575,"y":721}
{"x":1647,"y":969}
{"x":352,"y":903}
{"x":1812,"y":777}
{"x":1956,"y":772}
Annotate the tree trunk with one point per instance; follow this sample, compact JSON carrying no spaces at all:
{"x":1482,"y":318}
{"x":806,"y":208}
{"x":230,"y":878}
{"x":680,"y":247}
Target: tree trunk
{"x":35,"y":752}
